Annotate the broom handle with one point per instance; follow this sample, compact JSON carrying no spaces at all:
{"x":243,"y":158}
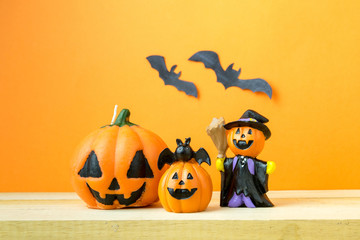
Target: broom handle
{"x":217,"y":133}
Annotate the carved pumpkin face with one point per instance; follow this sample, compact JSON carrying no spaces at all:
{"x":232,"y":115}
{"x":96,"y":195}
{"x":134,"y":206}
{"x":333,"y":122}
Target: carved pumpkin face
{"x":245,"y":141}
{"x":116,"y":167}
{"x":185,"y":187}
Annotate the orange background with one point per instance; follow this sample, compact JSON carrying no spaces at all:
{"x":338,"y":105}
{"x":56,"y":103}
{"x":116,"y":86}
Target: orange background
{"x":65,"y":64}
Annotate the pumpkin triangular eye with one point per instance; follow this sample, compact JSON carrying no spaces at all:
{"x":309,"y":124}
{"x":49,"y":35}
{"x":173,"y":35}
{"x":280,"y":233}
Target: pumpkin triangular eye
{"x":189,"y":176}
{"x":91,"y":167}
{"x":238,"y":131}
{"x":175,"y":176}
{"x":139,"y":167}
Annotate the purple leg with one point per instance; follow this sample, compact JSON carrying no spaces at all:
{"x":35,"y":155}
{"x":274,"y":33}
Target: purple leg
{"x":235,"y":201}
{"x":247,"y":201}
{"x":238,"y":200}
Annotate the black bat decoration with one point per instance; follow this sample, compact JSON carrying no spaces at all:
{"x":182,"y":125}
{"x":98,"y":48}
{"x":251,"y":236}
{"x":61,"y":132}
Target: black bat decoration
{"x":229,"y":78}
{"x":171,"y":78}
{"x":202,"y":156}
{"x":184,"y":153}
{"x":165,"y":157}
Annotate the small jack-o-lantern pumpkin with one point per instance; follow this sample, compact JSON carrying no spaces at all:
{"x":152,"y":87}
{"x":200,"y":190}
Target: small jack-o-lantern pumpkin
{"x":116,"y":166}
{"x":185,"y":186}
{"x":247,"y":135}
{"x":245,"y":141}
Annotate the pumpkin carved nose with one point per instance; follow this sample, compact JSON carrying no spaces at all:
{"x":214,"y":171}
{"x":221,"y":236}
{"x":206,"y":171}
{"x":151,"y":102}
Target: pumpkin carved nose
{"x":114,"y":185}
{"x":181,"y":182}
{"x":243,"y":135}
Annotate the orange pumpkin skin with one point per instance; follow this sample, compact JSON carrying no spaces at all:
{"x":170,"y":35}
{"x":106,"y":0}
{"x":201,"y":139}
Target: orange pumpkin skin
{"x":247,"y":134}
{"x":200,"y":181}
{"x":115,"y":148}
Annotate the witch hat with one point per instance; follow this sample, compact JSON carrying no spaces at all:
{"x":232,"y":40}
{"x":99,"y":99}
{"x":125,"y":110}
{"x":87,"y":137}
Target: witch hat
{"x":252,"y":119}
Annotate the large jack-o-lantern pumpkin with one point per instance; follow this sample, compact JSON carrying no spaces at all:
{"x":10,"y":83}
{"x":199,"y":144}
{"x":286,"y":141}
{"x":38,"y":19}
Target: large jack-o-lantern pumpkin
{"x":116,"y":166}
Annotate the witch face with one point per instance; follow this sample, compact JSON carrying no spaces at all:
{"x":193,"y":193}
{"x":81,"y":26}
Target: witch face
{"x":245,"y":141}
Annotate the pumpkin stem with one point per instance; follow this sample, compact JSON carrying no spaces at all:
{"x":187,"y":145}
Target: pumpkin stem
{"x":123,"y":118}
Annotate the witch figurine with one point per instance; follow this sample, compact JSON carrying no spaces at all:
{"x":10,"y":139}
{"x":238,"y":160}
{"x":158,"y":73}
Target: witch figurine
{"x":244,"y":178}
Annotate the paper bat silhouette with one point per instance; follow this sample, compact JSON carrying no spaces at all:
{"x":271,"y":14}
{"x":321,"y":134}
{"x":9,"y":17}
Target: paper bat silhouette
{"x":171,"y":78}
{"x":229,"y":78}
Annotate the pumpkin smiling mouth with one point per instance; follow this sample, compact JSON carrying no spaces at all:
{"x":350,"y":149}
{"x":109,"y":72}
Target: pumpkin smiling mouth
{"x":181,"y":193}
{"x":110,"y":198}
{"x":241,"y":144}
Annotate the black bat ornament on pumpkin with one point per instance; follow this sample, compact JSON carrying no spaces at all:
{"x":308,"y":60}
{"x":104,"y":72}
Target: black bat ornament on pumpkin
{"x":184,"y":153}
{"x":229,"y":77}
{"x":170,"y":77}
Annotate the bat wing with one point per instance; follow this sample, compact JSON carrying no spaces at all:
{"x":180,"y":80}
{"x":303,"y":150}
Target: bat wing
{"x":255,"y":85}
{"x":166,"y":156}
{"x":202,"y":156}
{"x":158,"y":63}
{"x":188,"y":87}
{"x":209,"y":58}
{"x":170,"y":77}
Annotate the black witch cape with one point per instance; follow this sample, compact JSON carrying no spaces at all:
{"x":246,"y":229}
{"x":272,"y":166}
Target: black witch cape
{"x":240,"y":180}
